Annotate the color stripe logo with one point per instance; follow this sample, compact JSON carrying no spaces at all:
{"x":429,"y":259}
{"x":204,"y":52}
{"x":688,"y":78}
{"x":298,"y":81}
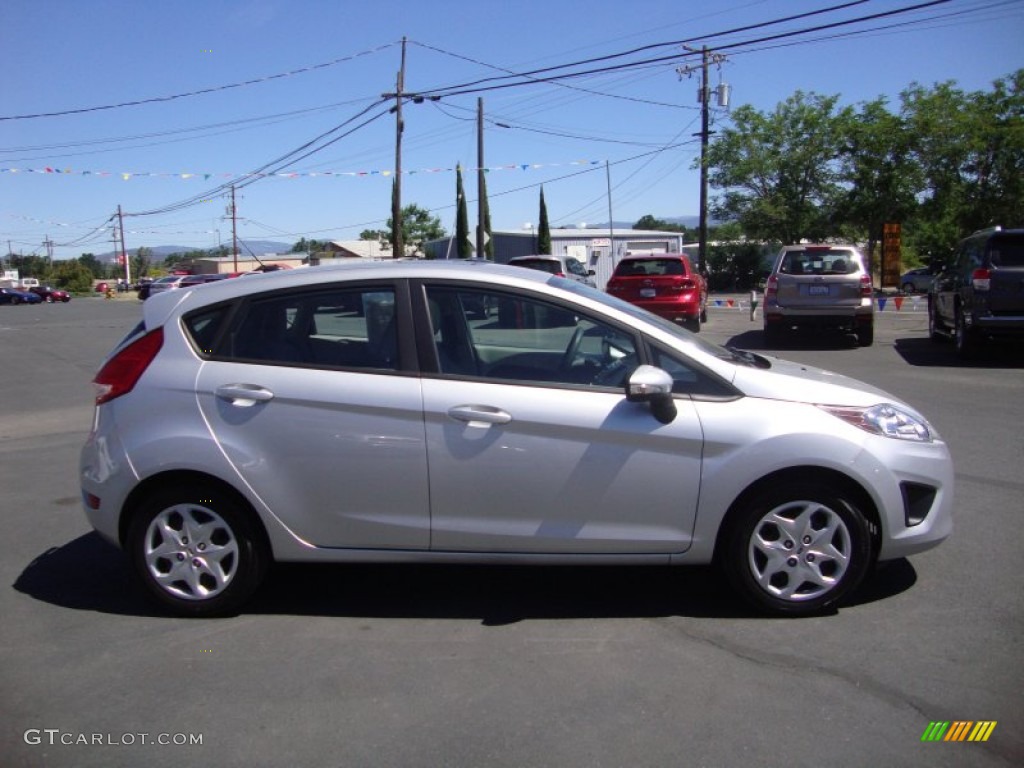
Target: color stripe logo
{"x":958,"y":730}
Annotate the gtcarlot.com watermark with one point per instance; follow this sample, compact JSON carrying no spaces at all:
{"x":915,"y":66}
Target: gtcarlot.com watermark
{"x":55,"y":736}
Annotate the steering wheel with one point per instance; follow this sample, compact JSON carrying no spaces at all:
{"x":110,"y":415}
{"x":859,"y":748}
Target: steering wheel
{"x":572,"y":350}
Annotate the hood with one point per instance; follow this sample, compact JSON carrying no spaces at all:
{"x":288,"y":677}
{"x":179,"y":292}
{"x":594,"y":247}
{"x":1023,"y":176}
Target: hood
{"x":796,"y":382}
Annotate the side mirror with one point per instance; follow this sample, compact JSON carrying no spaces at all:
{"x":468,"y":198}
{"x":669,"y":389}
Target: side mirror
{"x":648,"y":384}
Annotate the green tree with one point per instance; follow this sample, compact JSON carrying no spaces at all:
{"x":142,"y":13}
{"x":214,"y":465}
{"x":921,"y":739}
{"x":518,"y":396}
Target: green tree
{"x":418,"y":226}
{"x":879,"y":172}
{"x":311,"y":246}
{"x":543,"y":228}
{"x":463,"y":248}
{"x":778,"y":172}
{"x":970,"y":150}
{"x":96,"y":267}
{"x":141,"y":262}
{"x":72,"y":275}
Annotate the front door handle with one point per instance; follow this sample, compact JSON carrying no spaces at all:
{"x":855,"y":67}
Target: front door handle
{"x":244,"y":395}
{"x":479,"y":415}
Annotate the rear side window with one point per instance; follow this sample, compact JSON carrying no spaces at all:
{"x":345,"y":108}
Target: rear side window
{"x":342,"y":328}
{"x":202,"y":328}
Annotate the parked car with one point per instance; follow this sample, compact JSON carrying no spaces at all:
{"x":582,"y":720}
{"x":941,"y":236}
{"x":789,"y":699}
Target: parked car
{"x":169,"y":283}
{"x":560,"y":265}
{"x":358,"y":414}
{"x":50,"y":295}
{"x":819,"y":286}
{"x":15,"y":296}
{"x":917,"y":280}
{"x":980,"y":293}
{"x":664,"y":283}
{"x":192,"y":280}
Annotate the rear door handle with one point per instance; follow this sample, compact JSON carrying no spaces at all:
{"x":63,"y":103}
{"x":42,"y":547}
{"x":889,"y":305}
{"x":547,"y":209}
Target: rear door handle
{"x":479,"y":415}
{"x":244,"y":395}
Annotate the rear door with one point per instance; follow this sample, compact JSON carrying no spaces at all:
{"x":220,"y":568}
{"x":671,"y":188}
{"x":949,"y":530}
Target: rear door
{"x":306,"y":397}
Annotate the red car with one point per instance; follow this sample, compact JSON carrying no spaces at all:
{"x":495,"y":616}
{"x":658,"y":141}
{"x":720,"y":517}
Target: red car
{"x":50,"y":295}
{"x":665,"y":284}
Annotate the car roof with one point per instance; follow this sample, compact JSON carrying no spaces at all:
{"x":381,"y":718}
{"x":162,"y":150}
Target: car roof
{"x":158,"y":307}
{"x":635,"y":256}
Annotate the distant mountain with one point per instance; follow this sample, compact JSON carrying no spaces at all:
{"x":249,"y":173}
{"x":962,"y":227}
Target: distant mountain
{"x":245,"y":247}
{"x":691,"y":222}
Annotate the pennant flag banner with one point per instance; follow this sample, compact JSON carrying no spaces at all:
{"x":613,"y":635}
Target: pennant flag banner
{"x":187,"y":176}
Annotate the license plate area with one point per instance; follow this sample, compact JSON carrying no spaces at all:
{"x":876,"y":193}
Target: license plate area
{"x":648,"y":293}
{"x":817,"y":290}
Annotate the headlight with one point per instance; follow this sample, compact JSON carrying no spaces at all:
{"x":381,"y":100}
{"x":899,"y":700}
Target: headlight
{"x":885,"y":419}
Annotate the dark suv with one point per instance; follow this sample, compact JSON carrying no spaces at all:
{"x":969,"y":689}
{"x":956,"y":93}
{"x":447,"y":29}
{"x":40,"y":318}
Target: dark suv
{"x":980,"y":292}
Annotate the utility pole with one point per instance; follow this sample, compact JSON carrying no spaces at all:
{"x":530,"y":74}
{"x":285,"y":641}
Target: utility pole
{"x":234,"y":230}
{"x":481,"y":202}
{"x":704,"y":96}
{"x":124,"y":251}
{"x":397,"y":246}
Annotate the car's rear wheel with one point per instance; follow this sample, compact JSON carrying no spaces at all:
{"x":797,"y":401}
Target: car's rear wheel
{"x":772,"y":334}
{"x":965,"y":338}
{"x":797,"y":549}
{"x":197,"y":549}
{"x":866,"y":335}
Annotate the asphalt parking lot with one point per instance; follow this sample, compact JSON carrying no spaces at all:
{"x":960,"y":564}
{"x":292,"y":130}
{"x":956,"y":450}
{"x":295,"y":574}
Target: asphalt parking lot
{"x":464,"y":666}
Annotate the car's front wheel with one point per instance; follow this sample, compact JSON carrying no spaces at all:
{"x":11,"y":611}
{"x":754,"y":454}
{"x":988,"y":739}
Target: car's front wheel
{"x":797,"y":549}
{"x":197,"y":549}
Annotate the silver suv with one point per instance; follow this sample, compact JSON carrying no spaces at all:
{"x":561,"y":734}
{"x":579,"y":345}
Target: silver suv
{"x":823,"y":286}
{"x":561,"y":265}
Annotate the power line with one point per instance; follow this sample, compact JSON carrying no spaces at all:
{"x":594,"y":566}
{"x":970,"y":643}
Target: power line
{"x":199,"y":92}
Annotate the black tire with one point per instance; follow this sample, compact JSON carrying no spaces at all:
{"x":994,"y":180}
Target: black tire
{"x":909,"y":288}
{"x":198,"y":549}
{"x":866,"y":335}
{"x":965,"y":339}
{"x":693,"y":324}
{"x":935,"y":327}
{"x":796,"y":549}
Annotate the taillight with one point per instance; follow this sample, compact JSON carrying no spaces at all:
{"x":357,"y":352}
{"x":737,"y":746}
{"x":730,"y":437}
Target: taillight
{"x":559,"y":274}
{"x":121,"y":372}
{"x":981,"y":279}
{"x":865,"y":286}
{"x":772,"y":286}
{"x":680,"y":284}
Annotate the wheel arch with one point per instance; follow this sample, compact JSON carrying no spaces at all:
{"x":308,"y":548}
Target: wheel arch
{"x":826,"y":476}
{"x":184,"y":477}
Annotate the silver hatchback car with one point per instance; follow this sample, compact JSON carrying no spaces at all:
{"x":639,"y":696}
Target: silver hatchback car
{"x":361,"y":414}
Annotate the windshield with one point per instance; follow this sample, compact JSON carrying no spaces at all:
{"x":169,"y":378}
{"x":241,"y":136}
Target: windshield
{"x":705,"y":346}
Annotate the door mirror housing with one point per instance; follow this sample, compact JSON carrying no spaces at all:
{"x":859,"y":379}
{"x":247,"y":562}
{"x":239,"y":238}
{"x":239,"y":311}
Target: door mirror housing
{"x":648,"y":384}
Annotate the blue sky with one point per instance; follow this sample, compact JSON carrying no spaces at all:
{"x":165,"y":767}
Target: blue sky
{"x":280,"y":73}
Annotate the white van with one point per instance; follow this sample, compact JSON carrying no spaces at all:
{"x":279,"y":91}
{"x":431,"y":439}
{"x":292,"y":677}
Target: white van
{"x":28,"y":282}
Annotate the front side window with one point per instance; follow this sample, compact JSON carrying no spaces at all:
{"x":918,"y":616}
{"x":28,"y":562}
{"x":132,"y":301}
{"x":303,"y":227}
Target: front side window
{"x":512,"y":337}
{"x":342,"y":328}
